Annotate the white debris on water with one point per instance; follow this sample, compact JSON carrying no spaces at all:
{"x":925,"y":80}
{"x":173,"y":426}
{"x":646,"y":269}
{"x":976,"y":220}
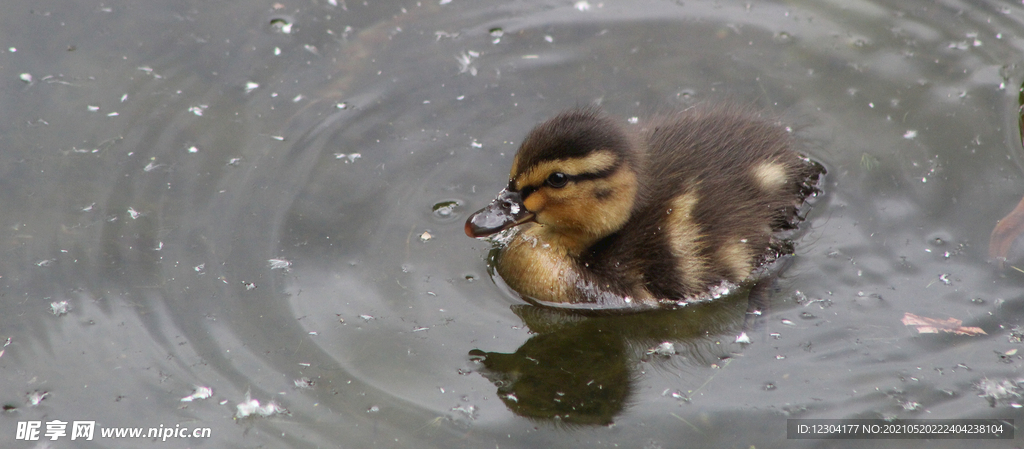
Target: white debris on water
{"x":198,"y":393}
{"x":279,"y":264}
{"x":36,"y":397}
{"x":665,"y":349}
{"x":60,"y":308}
{"x":250,"y":407}
{"x":349,"y":158}
{"x":466,"y":62}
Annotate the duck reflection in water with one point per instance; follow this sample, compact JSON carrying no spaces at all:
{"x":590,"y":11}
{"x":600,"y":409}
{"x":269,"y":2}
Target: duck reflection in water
{"x":582,"y":369}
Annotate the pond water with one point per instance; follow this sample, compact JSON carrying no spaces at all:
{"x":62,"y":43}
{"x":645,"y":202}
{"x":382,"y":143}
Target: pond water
{"x":207,"y":204}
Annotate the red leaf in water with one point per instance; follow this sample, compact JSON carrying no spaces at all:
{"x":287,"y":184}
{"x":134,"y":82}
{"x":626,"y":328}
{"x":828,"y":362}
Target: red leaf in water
{"x":927,"y":325}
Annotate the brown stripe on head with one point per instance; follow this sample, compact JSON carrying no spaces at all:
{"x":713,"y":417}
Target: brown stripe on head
{"x":570,"y":135}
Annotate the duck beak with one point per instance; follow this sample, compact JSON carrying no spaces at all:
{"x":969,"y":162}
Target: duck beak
{"x":506,"y":211}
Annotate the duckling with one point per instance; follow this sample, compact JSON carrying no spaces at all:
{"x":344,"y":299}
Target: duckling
{"x":601,"y":214}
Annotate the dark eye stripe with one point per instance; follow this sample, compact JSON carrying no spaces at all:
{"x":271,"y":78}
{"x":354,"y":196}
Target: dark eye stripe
{"x":594,"y":175}
{"x":526,"y":191}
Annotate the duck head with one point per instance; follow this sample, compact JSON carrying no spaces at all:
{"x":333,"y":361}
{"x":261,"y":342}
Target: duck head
{"x":573,"y":180}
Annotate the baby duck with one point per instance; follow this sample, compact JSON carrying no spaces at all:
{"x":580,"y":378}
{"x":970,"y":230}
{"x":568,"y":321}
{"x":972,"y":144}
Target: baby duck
{"x":607,"y":216}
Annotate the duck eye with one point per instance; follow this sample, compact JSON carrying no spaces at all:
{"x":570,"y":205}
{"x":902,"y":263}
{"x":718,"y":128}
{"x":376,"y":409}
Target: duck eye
{"x":557,"y":180}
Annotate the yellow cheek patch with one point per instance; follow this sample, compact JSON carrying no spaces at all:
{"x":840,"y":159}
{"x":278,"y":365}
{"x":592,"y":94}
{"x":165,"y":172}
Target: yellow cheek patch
{"x":684,"y":239}
{"x":769,"y":176}
{"x":535,"y":202}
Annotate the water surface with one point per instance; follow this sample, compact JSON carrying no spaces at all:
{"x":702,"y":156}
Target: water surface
{"x":267,"y":200}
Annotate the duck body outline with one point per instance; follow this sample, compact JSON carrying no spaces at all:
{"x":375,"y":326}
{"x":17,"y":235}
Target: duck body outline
{"x":603,"y":214}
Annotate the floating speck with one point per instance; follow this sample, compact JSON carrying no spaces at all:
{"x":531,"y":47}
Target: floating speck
{"x":944,"y":277}
{"x":444,"y":2}
{"x":633,"y":120}
{"x":235,"y":161}
{"x":124,"y":98}
{"x":92,"y":108}
{"x":199,"y":268}
{"x":45,"y":263}
{"x":198,"y":109}
{"x":277,"y":51}
{"x":743,"y":338}
{"x":420,"y":329}
{"x":958,"y":45}
{"x":367,"y":317}
{"x":425,"y":236}
{"x":279,"y":264}
{"x":769,"y":386}
{"x":280,"y":25}
{"x":113,"y":114}
{"x":910,"y":405}
{"x":303,"y":383}
{"x":548,"y":38}
{"x":60,"y":308}
{"x":341,"y":105}
{"x":466,"y":62}
{"x":198,"y":393}
{"x":134,"y":213}
{"x":468,"y":410}
{"x":26,"y":77}
{"x":783,"y":37}
{"x":582,"y":5}
{"x":445,"y":210}
{"x":152,"y":165}
{"x":278,"y":138}
{"x":788,"y":322}
{"x":665,"y":349}
{"x":910,"y":134}
{"x":193,"y":149}
{"x":373,"y":409}
{"x":251,"y":86}
{"x":249,"y":285}
{"x":34,"y":398}
{"x":349,"y":158}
